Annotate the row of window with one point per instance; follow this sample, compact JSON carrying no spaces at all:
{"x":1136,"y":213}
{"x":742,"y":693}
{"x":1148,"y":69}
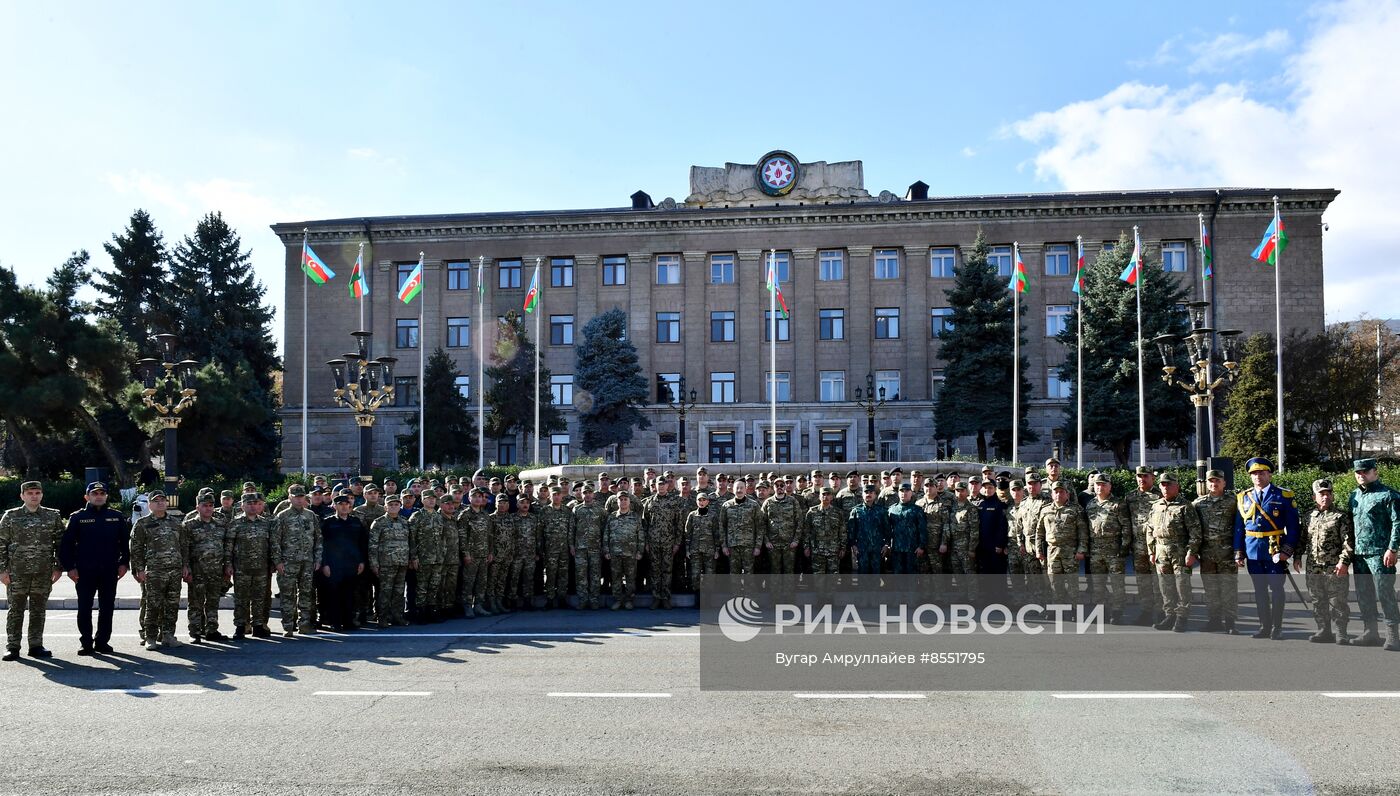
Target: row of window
{"x":831,"y":266}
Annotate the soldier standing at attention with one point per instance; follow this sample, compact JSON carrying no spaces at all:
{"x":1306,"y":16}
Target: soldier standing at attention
{"x":1375,"y":513}
{"x":1329,"y":541}
{"x":702,"y":540}
{"x":1266,"y":534}
{"x":158,"y":562}
{"x":781,"y":519}
{"x":366,"y":585}
{"x":425,"y":534}
{"x":938,"y":514}
{"x":1027,"y":519}
{"x":250,"y":553}
{"x":451,"y":561}
{"x":29,"y":538}
{"x":824,"y":533}
{"x":207,"y":537}
{"x":587,"y":547}
{"x":1140,"y":503}
{"x":738,"y":527}
{"x":474,"y":540}
{"x":1110,"y":537}
{"x":960,"y":544}
{"x":1218,"y":573}
{"x":663,"y":515}
{"x":527,"y":553}
{"x":868,"y":533}
{"x":95,"y":553}
{"x":556,"y":522}
{"x":501,"y":527}
{"x":1175,"y":532}
{"x":296,"y":551}
{"x":624,"y":550}
{"x":388,"y":558}
{"x":345,"y":547}
{"x":1061,"y":540}
{"x":908,"y":532}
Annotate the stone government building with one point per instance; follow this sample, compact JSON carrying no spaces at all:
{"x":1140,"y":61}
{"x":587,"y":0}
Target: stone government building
{"x":865,"y":276}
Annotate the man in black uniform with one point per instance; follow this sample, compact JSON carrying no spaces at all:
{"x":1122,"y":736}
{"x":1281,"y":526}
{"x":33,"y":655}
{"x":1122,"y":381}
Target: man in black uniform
{"x":344,"y":552}
{"x":94,"y":552}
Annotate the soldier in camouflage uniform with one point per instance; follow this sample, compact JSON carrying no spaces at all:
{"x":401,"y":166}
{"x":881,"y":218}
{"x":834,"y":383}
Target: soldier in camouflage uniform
{"x":366,"y":584}
{"x":29,"y":538}
{"x":557,"y":525}
{"x":1027,"y":519}
{"x":938,"y":515}
{"x":849,"y":496}
{"x":425,"y":534}
{"x":474,"y":547}
{"x":738,"y":527}
{"x":527,"y":554}
{"x":624,"y":541}
{"x":1218,"y":573}
{"x":1329,"y":539}
{"x":1016,"y":552}
{"x":206,"y":535}
{"x":1061,"y":540}
{"x":1175,"y":531}
{"x":296,"y":552}
{"x":587,"y":547}
{"x":1110,"y":536}
{"x":1140,"y":504}
{"x":250,"y":554}
{"x":388,"y":560}
{"x":663,"y":518}
{"x":158,"y":549}
{"x":702,"y":540}
{"x":501,"y":528}
{"x":960,"y":542}
{"x":451,"y":557}
{"x":780,"y":528}
{"x":824,"y":533}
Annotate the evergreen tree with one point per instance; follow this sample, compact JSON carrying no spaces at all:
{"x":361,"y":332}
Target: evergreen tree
{"x":1110,"y":356}
{"x":512,"y":375}
{"x":977,"y":350}
{"x":611,"y":387}
{"x":451,"y":425}
{"x":1251,"y":408}
{"x":135,"y":293}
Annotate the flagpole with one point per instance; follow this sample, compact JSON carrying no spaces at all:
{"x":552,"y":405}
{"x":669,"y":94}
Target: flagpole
{"x":539,"y":310}
{"x":360,"y":258}
{"x":422,"y":395}
{"x":773,"y":354}
{"x":480,"y":364}
{"x":305,"y":288}
{"x":1079,"y":362}
{"x":1278,"y":328}
{"x":1210,"y":322}
{"x":1015,"y":355}
{"x":1142,"y":382}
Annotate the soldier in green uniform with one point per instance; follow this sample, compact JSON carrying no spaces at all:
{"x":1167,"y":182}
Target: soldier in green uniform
{"x":1110,"y":537}
{"x":1375,"y":513}
{"x":29,"y":538}
{"x":1175,"y":533}
{"x":1016,"y":553}
{"x":1329,"y":539}
{"x":1061,"y":540}
{"x":1140,"y":504}
{"x":388,"y":559}
{"x":527,"y":553}
{"x":624,"y":549}
{"x":208,"y":541}
{"x":250,"y":554}
{"x":158,"y":549}
{"x":425,"y":557}
{"x":780,"y":528}
{"x":366,"y":584}
{"x":938,"y":515}
{"x":738,"y":526}
{"x":451,"y":561}
{"x":1027,"y":518}
{"x":824,"y":533}
{"x":556,"y":523}
{"x":663,"y":518}
{"x":296,"y":552}
{"x":960,"y":542}
{"x":868,"y":533}
{"x":702,"y":540}
{"x":1218,"y":574}
{"x":501,"y":528}
{"x":474,"y":543}
{"x":587,"y":547}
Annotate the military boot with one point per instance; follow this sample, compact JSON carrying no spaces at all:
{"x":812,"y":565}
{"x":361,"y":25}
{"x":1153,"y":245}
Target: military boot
{"x":1230,"y":628}
{"x":1343,"y":639}
{"x":1324,"y":633}
{"x":1278,"y":622}
{"x":1165,"y":623}
{"x":1392,"y":643}
{"x":1370,"y":638}
{"x":1213,"y":623}
{"x":617,"y":605}
{"x":1179,"y":626}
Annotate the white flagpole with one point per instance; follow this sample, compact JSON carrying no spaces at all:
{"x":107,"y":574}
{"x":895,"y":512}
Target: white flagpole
{"x":1210,"y":321}
{"x":360,"y":258}
{"x":422,"y":343}
{"x":1015,"y":354}
{"x":305,"y":288}
{"x":1079,"y":363}
{"x":773,"y":355}
{"x":480,"y":364}
{"x":1278,"y":328}
{"x":539,"y":310}
{"x":1142,"y":382}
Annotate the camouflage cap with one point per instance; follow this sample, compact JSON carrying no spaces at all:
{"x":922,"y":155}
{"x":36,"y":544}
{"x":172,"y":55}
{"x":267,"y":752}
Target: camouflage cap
{"x":1143,"y":470}
{"x":394,"y":498}
{"x":871,"y":489}
{"x":1032,"y":475}
{"x":913,"y":473}
{"x":1169,"y":478}
{"x":495,"y":480}
{"x":1054,"y":485}
{"x":227,"y":493}
{"x":155,"y":494}
{"x":1101,"y":478}
{"x":764,"y":484}
{"x":448,"y":498}
{"x":502,"y":498}
{"x":1322,"y":485}
{"x":1215,"y":474}
{"x":852,"y":473}
{"x":1017,"y":483}
{"x":296,"y":490}
{"x":587,"y":488}
{"x":1051,"y":460}
{"x":987,"y":468}
{"x":556,"y":490}
{"x":205,"y":497}
{"x":249,"y":486}
{"x":706,"y":496}
{"x":960,"y":485}
{"x":702,"y":469}
{"x":256,"y":497}
{"x":372,"y":487}
{"x":826,"y":490}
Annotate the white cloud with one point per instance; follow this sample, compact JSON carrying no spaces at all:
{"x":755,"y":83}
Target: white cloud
{"x":1162,"y":56}
{"x":969,"y":152}
{"x":1336,"y":130}
{"x":1228,"y":49}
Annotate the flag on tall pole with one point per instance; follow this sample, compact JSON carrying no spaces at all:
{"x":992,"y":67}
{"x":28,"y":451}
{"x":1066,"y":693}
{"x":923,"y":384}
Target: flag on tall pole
{"x":1019,"y":279}
{"x":774,"y":297}
{"x":413,"y":287}
{"x":306,"y":288}
{"x":1079,"y":269}
{"x":1017,"y":286}
{"x":314,"y":267}
{"x":1268,"y":250}
{"x":532,"y":300}
{"x":1079,"y":359}
{"x":532,"y":296}
{"x":359,"y":288}
{"x":1130,"y":275}
{"x":771,"y":282}
{"x":1275,"y":239}
{"x":1207,"y":269}
{"x":480,"y":362}
{"x":1130,"y":271}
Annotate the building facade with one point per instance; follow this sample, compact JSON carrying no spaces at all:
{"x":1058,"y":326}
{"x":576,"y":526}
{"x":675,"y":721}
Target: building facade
{"x":864,"y":275}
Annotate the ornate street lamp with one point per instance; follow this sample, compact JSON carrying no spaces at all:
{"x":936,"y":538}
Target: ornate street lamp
{"x":168,"y":388}
{"x":873,"y":400}
{"x":680,"y":403}
{"x":1202,"y":386}
{"x":363,"y":385}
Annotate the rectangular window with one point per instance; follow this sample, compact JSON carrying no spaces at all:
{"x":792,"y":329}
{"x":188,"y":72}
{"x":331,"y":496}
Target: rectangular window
{"x":832,"y":385}
{"x":1055,"y":387}
{"x":782,"y":263}
{"x":1110,"y":245}
{"x":784,"y":382}
{"x":459,"y":332}
{"x":831,"y":445}
{"x":561,"y":272}
{"x":1056,"y":319}
{"x":668,"y":269}
{"x":889,"y":446}
{"x":831,"y":325}
{"x":508,"y":274}
{"x":940,"y":262}
{"x":940,"y":319}
{"x":405,"y":391}
{"x":1174,"y":256}
{"x":614,"y":270}
{"x":936,"y":381}
{"x":404,"y":269}
{"x":1000,"y":256}
{"x":505,"y":452}
{"x":562,"y":388}
{"x":721,"y":269}
{"x":887,"y":263}
{"x":887,"y":380}
{"x":668,"y":387}
{"x":887,"y":323}
{"x":459,"y":275}
{"x":464,"y":386}
{"x":784,"y":446}
{"x":406,"y":333}
{"x":831,"y":265}
{"x":783,"y":329}
{"x":558,"y":448}
{"x":1057,"y":259}
{"x":722,"y":447}
{"x":668,"y":327}
{"x":561,"y":330}
{"x":722,"y":387}
{"x":721,"y":327}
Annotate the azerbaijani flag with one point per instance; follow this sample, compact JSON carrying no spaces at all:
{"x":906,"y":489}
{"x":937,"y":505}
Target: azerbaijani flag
{"x":414,"y":284}
{"x":480,"y":284}
{"x":1019,"y":282}
{"x":359,"y":288}
{"x":1205,"y":251}
{"x":532,"y":296}
{"x":771,"y":282}
{"x":1275,"y":239}
{"x":1130,"y":273}
{"x":315,"y":267}
{"x":1079,"y":271}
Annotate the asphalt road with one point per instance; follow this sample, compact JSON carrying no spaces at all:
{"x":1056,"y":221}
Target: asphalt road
{"x":562,"y":702}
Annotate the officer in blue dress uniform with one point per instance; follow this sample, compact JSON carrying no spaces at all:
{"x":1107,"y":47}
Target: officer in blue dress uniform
{"x":1266,"y":532}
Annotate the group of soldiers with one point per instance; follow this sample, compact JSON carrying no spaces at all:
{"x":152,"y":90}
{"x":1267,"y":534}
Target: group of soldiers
{"x":357,"y":553}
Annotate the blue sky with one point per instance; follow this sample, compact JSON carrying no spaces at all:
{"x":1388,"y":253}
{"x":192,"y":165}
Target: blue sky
{"x":282,"y":112}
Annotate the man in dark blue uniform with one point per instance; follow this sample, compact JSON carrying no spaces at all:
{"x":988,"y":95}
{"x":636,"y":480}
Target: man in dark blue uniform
{"x":344,"y":552}
{"x":1266,"y":533}
{"x":95,"y":553}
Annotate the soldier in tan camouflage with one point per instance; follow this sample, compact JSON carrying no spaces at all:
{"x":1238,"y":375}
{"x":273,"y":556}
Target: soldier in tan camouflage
{"x":780,"y":528}
{"x":297,"y":554}
{"x":1027,"y":517}
{"x":938,"y":516}
{"x":474,"y":546}
{"x":528,"y":554}
{"x":388,"y":560}
{"x":1110,"y":537}
{"x":960,"y":543}
{"x":29,"y":540}
{"x":367,"y":585}
{"x":1219,"y":577}
{"x":702,"y":540}
{"x":824,"y":533}
{"x":425,"y":557}
{"x":1175,"y":533}
{"x":1140,"y":503}
{"x":663,"y":515}
{"x":500,"y":525}
{"x":1330,"y":540}
{"x":250,"y":554}
{"x":587,"y":548}
{"x":451,"y":557}
{"x":556,"y":524}
{"x":207,"y":536}
{"x":624,"y":541}
{"x":158,"y":548}
{"x":1061,"y":541}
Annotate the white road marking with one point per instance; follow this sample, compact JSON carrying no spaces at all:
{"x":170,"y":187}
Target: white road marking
{"x":1363,"y":695}
{"x":373,"y":693}
{"x":1122,"y":696}
{"x":153,"y":690}
{"x":610,"y":694}
{"x":860,"y":696}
